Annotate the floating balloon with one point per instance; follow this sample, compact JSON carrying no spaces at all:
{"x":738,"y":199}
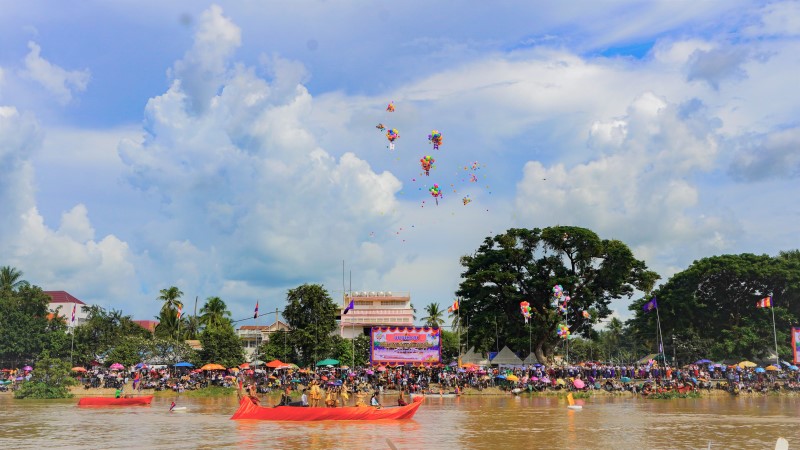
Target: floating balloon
{"x":435,"y":192}
{"x":426,"y":162}
{"x":390,"y":107}
{"x":563,"y":331}
{"x":525,"y":309}
{"x":392,"y":135}
{"x":466,"y":200}
{"x":435,"y":138}
{"x":380,"y":127}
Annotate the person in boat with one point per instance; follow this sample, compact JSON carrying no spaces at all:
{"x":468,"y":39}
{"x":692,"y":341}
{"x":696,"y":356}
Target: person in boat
{"x":315,"y":394}
{"x":330,"y":397}
{"x":344,"y":396}
{"x":304,"y":397}
{"x":360,"y":399}
{"x":374,"y":401}
{"x":286,"y":397}
{"x":172,"y":406}
{"x":401,"y":400}
{"x":118,"y":393}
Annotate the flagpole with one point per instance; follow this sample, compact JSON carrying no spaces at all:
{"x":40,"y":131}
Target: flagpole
{"x":774,"y":332}
{"x":660,"y":337}
{"x":458,"y":322}
{"x":72,"y":345}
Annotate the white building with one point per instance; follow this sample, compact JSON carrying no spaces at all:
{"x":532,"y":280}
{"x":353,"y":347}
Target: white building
{"x":253,"y":335}
{"x":62,"y":303}
{"x":375,"y":309}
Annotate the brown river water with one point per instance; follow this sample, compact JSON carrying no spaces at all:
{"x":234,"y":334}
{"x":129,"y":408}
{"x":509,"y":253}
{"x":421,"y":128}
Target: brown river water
{"x":486,"y":422}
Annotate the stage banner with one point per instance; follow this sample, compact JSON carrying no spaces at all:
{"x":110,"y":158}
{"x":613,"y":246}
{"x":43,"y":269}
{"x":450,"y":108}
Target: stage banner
{"x":406,"y":345}
{"x":796,"y":345}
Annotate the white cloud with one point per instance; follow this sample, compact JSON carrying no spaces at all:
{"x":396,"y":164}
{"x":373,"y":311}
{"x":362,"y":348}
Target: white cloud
{"x":60,"y":82}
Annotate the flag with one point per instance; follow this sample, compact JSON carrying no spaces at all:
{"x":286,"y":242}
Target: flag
{"x":180,"y":311}
{"x":454,"y":307}
{"x":255,"y":314}
{"x":349,"y":307}
{"x":651,"y":305}
{"x":765,"y":302}
{"x":74,"y":306}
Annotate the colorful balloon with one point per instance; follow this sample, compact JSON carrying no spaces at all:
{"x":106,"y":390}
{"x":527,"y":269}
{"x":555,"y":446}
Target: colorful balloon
{"x":392,"y":135}
{"x":435,"y":192}
{"x":426,"y":162}
{"x":525,"y":309}
{"x":436,"y":138}
{"x":390,"y":107}
{"x":586,"y":314}
{"x":380,"y":127}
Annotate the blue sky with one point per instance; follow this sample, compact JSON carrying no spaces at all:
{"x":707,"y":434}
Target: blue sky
{"x":230,"y":148}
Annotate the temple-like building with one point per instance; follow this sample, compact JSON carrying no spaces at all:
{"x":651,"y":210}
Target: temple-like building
{"x":375,"y":309}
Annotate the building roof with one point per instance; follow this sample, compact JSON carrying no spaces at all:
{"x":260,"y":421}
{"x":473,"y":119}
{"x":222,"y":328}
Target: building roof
{"x":531,"y":359}
{"x":62,"y":297}
{"x":506,"y":357}
{"x":470,"y":357}
{"x":149,"y":325}
{"x":276,"y":324}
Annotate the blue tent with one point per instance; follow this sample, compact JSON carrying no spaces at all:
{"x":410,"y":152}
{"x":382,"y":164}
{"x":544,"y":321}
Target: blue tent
{"x":184,"y":364}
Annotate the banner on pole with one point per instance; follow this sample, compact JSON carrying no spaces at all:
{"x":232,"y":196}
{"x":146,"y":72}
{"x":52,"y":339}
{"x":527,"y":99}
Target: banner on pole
{"x":406,"y":345}
{"x":796,"y":345}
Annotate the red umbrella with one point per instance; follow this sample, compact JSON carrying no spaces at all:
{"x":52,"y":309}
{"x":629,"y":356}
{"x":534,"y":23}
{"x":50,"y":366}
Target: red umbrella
{"x":275,"y":363}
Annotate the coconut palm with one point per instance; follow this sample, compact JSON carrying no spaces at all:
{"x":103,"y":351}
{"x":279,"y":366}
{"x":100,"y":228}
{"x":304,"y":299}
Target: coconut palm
{"x":171,"y":298}
{"x":190,"y":327}
{"x":214,"y":314}
{"x":435,"y":313}
{"x":11,"y":279}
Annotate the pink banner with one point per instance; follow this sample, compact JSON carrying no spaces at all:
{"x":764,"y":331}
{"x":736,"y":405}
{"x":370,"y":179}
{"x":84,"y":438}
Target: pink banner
{"x":406,"y":345}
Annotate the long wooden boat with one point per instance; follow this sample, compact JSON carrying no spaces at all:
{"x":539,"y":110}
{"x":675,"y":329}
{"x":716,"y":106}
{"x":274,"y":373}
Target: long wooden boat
{"x":250,"y":411}
{"x":112,"y":401}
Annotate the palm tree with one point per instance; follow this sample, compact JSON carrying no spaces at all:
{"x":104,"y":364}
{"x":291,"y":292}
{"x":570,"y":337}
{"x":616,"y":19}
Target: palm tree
{"x":171,"y":298}
{"x":214,"y":313}
{"x":11,"y":279}
{"x":434,"y":318}
{"x":191,"y":327}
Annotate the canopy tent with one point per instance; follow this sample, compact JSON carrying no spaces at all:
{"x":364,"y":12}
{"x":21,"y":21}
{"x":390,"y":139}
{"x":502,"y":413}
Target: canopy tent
{"x":184,"y":364}
{"x":530,"y":360}
{"x":471,"y":357}
{"x":328,"y":362}
{"x":507,"y":358}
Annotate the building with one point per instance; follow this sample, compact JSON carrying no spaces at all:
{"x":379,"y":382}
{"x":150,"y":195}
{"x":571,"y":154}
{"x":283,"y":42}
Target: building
{"x":375,"y":309}
{"x":253,"y":335}
{"x":149,"y":325}
{"x":62,"y":304}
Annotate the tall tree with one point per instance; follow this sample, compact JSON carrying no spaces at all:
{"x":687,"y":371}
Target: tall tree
{"x":714,"y":300}
{"x":524,"y":265}
{"x":102,"y":331}
{"x":214,"y":313}
{"x":26,"y":327}
{"x":11,"y":279}
{"x":171,"y":298}
{"x":221,"y":345}
{"x":311,"y":315}
{"x":434,"y":315}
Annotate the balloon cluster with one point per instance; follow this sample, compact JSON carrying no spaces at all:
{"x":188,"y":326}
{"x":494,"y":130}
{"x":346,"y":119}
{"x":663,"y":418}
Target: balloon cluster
{"x":391,"y":135}
{"x":426,"y":162}
{"x":466,"y":200}
{"x":525,"y":308}
{"x":380,"y":126}
{"x":436,"y":138}
{"x":585,"y":314}
{"x":435,"y":191}
{"x":390,"y":108}
{"x":563,"y":331}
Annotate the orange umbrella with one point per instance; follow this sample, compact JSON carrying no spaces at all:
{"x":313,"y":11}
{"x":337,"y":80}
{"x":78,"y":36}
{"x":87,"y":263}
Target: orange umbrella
{"x":244,"y":366}
{"x":275,"y":363}
{"x":78,"y":369}
{"x":213,"y":367}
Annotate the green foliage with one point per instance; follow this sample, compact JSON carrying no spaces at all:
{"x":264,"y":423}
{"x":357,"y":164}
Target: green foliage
{"x":311,"y":314}
{"x":435,"y":315}
{"x":49,"y":379}
{"x":222,"y":346}
{"x":524,"y":265}
{"x":11,"y":279}
{"x":710,"y":307}
{"x":449,"y":346}
{"x":215,"y":314}
{"x":24,"y":325}
{"x":211,"y":391}
{"x":277,"y":347}
{"x":102,"y":331}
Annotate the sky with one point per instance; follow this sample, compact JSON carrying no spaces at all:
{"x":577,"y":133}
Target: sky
{"x":230,"y":148}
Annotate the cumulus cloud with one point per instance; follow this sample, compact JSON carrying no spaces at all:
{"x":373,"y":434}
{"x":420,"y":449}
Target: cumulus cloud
{"x":767,"y":156}
{"x":715,"y":65}
{"x":242,"y":178}
{"x":60,"y":82}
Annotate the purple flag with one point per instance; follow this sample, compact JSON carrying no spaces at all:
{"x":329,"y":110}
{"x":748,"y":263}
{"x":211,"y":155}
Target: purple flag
{"x":349,"y":307}
{"x":651,"y":305}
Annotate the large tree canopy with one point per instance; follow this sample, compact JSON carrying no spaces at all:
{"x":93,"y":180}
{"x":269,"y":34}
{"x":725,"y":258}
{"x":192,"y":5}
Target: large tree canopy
{"x":524,"y":265}
{"x":711,"y":310}
{"x":26,"y":326}
{"x":311,"y":314}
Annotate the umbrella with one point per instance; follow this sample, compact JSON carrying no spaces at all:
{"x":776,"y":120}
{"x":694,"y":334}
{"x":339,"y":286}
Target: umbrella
{"x":27,"y":368}
{"x":512,"y":378}
{"x":275,"y":363}
{"x":213,"y":367}
{"x":545,"y":379}
{"x":244,"y":366}
{"x":561,"y":382}
{"x":501,"y":377}
{"x":760,"y":370}
{"x":141,"y":366}
{"x":184,"y":364}
{"x":771,"y":368}
{"x":579,"y":384}
{"x":370,"y":372}
{"x":233,"y":369}
{"x":78,"y":369}
{"x":625,"y":379}
{"x":328,"y":362}
{"x":793,"y":367}
{"x":257,"y":363}
{"x":116,"y":366}
{"x":381,"y":369}
{"x":744,"y":364}
{"x":703,"y":361}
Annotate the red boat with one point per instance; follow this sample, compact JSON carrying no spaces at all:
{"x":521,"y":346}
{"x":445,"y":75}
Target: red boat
{"x":112,"y":401}
{"x":250,"y":411}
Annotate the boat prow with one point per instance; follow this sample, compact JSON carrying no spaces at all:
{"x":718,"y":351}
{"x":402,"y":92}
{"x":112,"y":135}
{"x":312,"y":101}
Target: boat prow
{"x":113,"y":401}
{"x":250,"y":411}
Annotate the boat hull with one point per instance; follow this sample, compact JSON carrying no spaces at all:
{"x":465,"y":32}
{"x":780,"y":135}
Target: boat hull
{"x":111,"y":401}
{"x":250,"y":411}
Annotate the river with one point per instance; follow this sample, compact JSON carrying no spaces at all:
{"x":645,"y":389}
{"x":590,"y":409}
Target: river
{"x":468,"y":422}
